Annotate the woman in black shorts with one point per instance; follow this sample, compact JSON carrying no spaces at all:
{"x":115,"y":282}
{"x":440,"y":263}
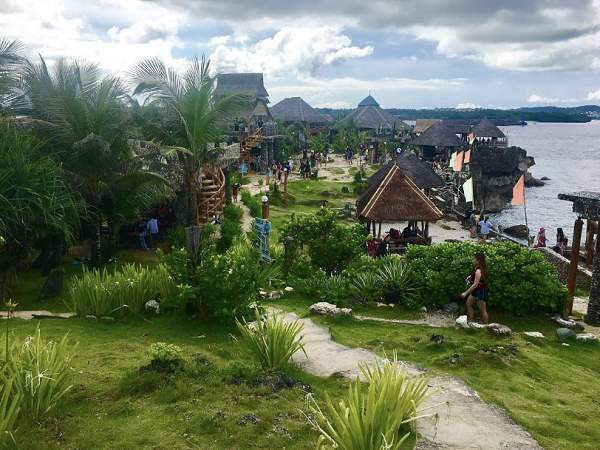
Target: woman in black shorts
{"x":477,"y":291}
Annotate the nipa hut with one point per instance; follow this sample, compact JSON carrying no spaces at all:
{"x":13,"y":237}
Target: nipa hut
{"x":396,"y":198}
{"x":421,"y":125}
{"x":489,"y":134}
{"x":437,"y":141}
{"x":294,"y":109}
{"x":370,"y":116}
{"x":251,"y":84}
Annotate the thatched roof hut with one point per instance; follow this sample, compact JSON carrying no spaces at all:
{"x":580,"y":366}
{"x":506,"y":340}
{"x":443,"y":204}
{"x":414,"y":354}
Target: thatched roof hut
{"x":396,"y":198}
{"x":487,"y":129}
{"x":459,"y":126}
{"x":423,"y":124}
{"x":438,"y":135}
{"x":249,"y":83}
{"x":294,"y":109}
{"x":419,"y":173}
{"x":369,"y":115}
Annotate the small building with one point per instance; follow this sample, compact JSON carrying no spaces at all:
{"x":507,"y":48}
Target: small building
{"x":438,"y":141}
{"x":422,"y":125}
{"x":294,"y":109}
{"x":395,"y":198}
{"x":251,"y":84}
{"x":370,"y":116}
{"x":486,"y":133}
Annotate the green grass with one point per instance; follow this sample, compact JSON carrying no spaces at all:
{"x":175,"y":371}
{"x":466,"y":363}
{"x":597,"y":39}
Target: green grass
{"x":112,"y":407}
{"x":336,"y":170}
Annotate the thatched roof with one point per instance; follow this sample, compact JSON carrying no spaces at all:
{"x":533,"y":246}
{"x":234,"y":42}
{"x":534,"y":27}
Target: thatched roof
{"x":236,"y":83}
{"x":295,"y":109}
{"x":368,"y":101}
{"x":372,"y":117}
{"x":396,"y":199}
{"x":423,"y":124}
{"x":487,"y":129}
{"x":415,"y":169}
{"x":438,"y":135}
{"x":458,"y":126}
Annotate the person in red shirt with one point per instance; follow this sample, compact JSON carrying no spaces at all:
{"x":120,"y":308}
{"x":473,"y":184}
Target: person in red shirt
{"x":477,"y":291}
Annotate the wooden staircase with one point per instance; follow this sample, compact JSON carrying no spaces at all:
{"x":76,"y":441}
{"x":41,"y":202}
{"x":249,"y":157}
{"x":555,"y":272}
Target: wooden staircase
{"x":211,"y":198}
{"x":247,"y":144}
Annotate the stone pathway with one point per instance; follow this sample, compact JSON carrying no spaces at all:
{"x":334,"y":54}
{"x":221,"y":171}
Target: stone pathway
{"x":469,"y":424}
{"x":29,"y":315}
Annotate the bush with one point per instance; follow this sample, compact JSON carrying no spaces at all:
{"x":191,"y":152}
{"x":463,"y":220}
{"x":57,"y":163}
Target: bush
{"x":372,"y":419}
{"x":520,"y":280}
{"x":176,"y":237}
{"x":101,"y":293}
{"x":234,"y":213}
{"x":333,"y":289}
{"x":230,"y":231}
{"x":253,"y":203}
{"x":161,"y":352}
{"x":9,"y":406}
{"x":274,"y":341}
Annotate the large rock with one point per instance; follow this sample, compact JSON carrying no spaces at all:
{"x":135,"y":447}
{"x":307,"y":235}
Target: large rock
{"x":535,"y":334}
{"x":451,"y":308}
{"x":500,"y":329}
{"x":518,"y":231}
{"x":152,"y":305}
{"x":567,"y":323}
{"x":587,"y":337}
{"x":564,"y":334}
{"x":324,"y":309}
{"x":461,"y":322}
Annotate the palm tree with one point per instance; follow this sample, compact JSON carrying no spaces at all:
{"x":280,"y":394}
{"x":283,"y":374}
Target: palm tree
{"x":192,"y":118}
{"x":10,"y":60}
{"x":87,"y":124}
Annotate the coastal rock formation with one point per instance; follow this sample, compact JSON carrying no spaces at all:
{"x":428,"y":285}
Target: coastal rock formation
{"x":518,"y":231}
{"x":495,"y":172}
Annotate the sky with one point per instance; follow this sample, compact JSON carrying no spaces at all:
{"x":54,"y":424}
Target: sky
{"x":332,"y":53}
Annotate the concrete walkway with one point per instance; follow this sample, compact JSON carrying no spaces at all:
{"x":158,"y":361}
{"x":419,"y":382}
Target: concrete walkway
{"x":42,"y":314}
{"x":469,"y":424}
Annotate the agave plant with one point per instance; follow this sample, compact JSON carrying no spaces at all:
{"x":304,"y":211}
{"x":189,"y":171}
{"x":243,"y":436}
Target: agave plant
{"x":394,"y":281}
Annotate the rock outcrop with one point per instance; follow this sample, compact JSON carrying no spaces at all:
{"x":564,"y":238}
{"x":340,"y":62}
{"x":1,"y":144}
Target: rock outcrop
{"x":495,"y":172}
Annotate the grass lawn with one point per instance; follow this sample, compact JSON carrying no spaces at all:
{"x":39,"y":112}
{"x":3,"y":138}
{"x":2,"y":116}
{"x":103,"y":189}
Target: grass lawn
{"x":549,"y":388}
{"x":111,"y":406}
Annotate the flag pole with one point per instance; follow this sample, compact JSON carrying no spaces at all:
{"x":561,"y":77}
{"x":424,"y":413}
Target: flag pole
{"x":526,"y":223}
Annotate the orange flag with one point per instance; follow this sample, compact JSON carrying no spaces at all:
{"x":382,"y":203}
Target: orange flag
{"x":467,"y":156}
{"x":519,"y":192}
{"x":457,"y":166}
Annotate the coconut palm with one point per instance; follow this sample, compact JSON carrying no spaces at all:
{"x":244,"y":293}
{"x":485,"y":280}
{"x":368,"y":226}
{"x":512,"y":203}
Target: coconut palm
{"x":10,"y":60}
{"x":86,"y":121}
{"x":192,"y":116}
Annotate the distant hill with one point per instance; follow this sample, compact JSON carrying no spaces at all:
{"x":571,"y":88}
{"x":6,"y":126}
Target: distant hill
{"x":576,"y":114}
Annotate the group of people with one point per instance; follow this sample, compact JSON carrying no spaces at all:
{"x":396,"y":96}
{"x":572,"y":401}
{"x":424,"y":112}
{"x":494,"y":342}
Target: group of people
{"x":561,"y":240}
{"x":474,"y":221}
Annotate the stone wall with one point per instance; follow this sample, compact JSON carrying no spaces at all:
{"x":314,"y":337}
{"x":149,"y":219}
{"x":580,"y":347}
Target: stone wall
{"x":561,"y":264}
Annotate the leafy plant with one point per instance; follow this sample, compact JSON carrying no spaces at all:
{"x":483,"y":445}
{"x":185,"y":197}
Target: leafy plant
{"x":273,"y":341}
{"x":161,"y":352}
{"x":366,"y":286}
{"x":372,"y":419}
{"x":10,"y":402}
{"x":253,"y":203}
{"x":230,"y":231}
{"x":260,"y":181}
{"x":333,"y":289}
{"x":519,"y":279}
{"x":176,"y":237}
{"x":395,"y":283}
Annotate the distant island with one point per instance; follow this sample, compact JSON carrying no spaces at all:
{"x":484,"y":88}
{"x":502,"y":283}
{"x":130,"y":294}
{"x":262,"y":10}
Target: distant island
{"x":576,"y":114}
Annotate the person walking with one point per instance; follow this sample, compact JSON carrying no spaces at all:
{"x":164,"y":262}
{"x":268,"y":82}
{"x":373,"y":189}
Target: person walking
{"x":234,"y":191}
{"x":478,"y":290}
{"x":152,"y":231}
{"x":485,"y":225}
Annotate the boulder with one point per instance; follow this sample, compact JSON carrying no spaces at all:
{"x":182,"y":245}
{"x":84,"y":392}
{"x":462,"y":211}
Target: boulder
{"x":324,"y":309}
{"x":545,"y":179}
{"x":289,"y":289}
{"x":500,"y":329}
{"x":564,"y":334}
{"x":152,"y":305}
{"x":275,"y":294}
{"x":90,"y":317}
{"x":263,"y":294}
{"x":518,"y":231}
{"x":461,"y":322}
{"x":567,"y":323}
{"x":535,"y":334}
{"x":476,"y":325}
{"x":451,"y":308}
{"x":424,"y":308}
{"x":587,"y":337}
{"x":346,"y":311}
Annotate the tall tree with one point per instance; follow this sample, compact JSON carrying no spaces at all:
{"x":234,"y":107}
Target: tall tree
{"x":193,"y":117}
{"x":85,"y":118}
{"x":10,"y":60}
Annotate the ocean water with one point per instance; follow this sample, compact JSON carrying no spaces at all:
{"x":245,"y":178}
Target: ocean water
{"x":568,"y":154}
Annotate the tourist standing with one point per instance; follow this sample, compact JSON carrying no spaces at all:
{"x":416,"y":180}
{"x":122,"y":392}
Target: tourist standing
{"x":485,"y":225}
{"x":478,"y":290}
{"x":235,"y":189}
{"x":541,"y":238}
{"x":152,"y":231}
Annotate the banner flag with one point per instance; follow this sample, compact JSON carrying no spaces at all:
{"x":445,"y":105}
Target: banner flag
{"x":467,"y":156}
{"x":457,"y":165}
{"x":468,"y":190}
{"x":519,"y":192}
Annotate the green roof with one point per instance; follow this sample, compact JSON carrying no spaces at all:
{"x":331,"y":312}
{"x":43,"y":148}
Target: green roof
{"x":368,"y":101}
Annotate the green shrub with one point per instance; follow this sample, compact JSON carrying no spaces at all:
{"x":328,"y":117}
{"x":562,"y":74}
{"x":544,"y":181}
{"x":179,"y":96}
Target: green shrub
{"x":333,"y":289}
{"x":230,"y":231}
{"x":40,"y":372}
{"x":273,"y":341}
{"x":520,"y":280}
{"x":260,"y":181}
{"x":161,"y":352}
{"x":176,"y":237}
{"x":9,"y":406}
{"x":234,"y":213}
{"x":101,"y":293}
{"x":372,"y":419}
{"x":253,"y":203}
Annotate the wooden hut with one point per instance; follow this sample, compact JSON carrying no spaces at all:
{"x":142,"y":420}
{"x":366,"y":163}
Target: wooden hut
{"x":294,"y":109}
{"x":419,"y":173}
{"x":249,"y":83}
{"x":437,"y":141}
{"x":395,"y":198}
{"x":485,"y":132}
{"x":370,"y":116}
{"x":422,"y":125}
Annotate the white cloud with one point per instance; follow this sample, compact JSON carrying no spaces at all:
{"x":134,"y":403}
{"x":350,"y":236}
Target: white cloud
{"x":301,"y":52}
{"x":534,"y":98}
{"x":570,"y":100}
{"x":468,"y":105}
{"x":335,"y":105}
{"x":594,"y":95}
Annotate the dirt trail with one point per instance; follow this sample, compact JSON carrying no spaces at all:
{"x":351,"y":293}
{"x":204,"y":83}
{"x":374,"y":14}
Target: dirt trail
{"x":469,"y":424}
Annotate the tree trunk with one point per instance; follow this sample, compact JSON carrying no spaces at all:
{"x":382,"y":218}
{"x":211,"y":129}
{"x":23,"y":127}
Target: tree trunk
{"x":192,"y":205}
{"x":593,"y":312}
{"x":111,"y":244}
{"x":46,"y":251}
{"x":96,"y":239}
{"x":53,"y":262}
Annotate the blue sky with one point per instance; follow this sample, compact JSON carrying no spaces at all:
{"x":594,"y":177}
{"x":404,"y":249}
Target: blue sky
{"x":408,"y":53}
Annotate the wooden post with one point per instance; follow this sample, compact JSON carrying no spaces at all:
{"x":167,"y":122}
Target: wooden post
{"x":285,"y":177}
{"x":379,"y":233}
{"x":265,"y":207}
{"x":593,"y":311}
{"x":573,"y":265}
